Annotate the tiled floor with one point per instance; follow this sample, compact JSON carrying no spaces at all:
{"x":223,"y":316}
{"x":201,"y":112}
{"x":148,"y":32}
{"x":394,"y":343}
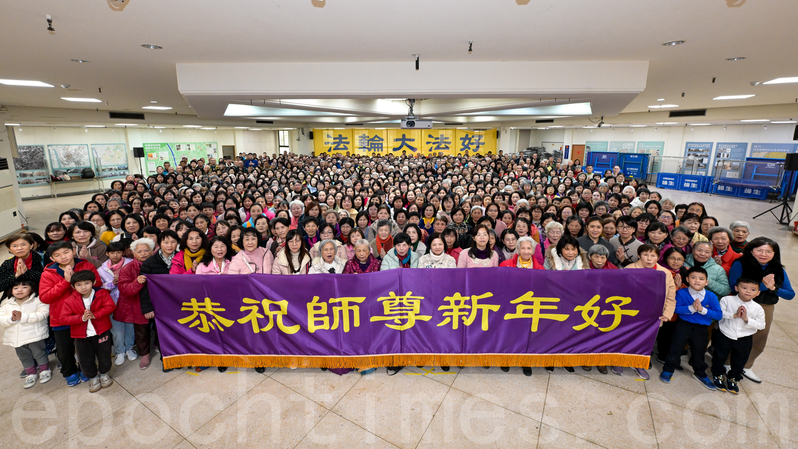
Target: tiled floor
{"x":472,"y":407}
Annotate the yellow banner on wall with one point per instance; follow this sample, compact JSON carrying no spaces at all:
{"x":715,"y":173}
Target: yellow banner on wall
{"x":474,"y":142}
{"x":370,"y":142}
{"x":437,"y":142}
{"x":410,"y":142}
{"x":332,"y":141}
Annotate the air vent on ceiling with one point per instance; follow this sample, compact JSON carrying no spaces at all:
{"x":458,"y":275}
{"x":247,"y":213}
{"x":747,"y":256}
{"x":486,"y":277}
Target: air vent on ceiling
{"x":452,"y":124}
{"x":545,"y":121}
{"x":265,"y":122}
{"x":353,"y":124}
{"x":126,"y":115}
{"x":3,"y":163}
{"x":689,"y":113}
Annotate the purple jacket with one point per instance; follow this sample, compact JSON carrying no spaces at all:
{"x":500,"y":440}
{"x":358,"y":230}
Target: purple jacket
{"x":353,"y":266}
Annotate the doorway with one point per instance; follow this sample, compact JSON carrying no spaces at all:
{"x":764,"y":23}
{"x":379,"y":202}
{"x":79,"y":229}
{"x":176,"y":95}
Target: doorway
{"x":229,"y":151}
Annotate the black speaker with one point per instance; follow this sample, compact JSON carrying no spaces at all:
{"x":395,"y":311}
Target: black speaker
{"x":138,"y":151}
{"x":310,"y":135}
{"x":791,"y":162}
{"x":795,"y":133}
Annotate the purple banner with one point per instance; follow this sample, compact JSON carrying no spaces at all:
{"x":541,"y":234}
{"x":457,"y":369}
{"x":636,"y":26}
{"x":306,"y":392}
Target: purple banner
{"x":457,"y":317}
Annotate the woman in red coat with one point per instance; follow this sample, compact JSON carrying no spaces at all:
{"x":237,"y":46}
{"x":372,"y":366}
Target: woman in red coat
{"x":128,"y":308}
{"x":524,"y":257}
{"x":598,"y":258}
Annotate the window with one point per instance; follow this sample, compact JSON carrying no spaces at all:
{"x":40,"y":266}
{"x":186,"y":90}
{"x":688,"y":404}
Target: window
{"x":283,"y":137}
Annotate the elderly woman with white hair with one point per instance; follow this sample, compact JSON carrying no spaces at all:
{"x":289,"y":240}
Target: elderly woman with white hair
{"x":327,"y":260}
{"x":524,"y":256}
{"x":740,"y":231}
{"x":598,"y":258}
{"x":297,"y":209}
{"x":128,"y":308}
{"x":363,"y":261}
{"x":554,"y":232}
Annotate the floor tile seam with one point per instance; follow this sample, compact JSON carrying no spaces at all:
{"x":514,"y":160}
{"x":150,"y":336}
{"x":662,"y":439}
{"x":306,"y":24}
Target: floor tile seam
{"x":717,"y":417}
{"x":440,"y":404}
{"x":502,"y":406}
{"x":326,"y":412}
{"x":767,"y":428}
{"x":361,"y":427}
{"x":651,"y":413}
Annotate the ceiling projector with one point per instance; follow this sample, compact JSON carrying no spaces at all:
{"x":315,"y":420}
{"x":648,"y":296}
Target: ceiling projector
{"x":411,"y":122}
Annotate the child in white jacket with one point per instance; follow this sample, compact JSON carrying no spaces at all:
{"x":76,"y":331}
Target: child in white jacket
{"x":24,"y":318}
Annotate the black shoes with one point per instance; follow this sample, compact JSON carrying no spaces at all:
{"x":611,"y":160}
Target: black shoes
{"x":527,"y":371}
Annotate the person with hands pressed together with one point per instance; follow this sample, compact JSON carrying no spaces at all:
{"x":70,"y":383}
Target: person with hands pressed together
{"x":26,"y":264}
{"x":87,"y":246}
{"x":697,"y":308}
{"x":128,"y":308}
{"x":88,"y":313}
{"x":761,"y":261}
{"x":24,"y":319}
{"x":55,"y":289}
{"x":123,"y":334}
{"x":158,"y":263}
{"x":742,"y":318}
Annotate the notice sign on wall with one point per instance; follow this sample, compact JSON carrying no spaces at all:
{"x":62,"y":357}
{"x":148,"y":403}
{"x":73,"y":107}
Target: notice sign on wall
{"x":701,"y":152}
{"x":729,"y":158}
{"x":773,"y":150}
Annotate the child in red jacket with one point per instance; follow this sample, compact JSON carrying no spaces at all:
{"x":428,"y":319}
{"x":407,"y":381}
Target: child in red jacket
{"x":88,"y":312}
{"x":54,"y":289}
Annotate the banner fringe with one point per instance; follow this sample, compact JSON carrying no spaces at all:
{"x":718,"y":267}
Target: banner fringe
{"x":373,"y":361}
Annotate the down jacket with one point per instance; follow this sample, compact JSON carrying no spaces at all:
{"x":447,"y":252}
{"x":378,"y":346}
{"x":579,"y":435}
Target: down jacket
{"x":718,"y":280}
{"x":128,"y":307}
{"x":102,"y":306}
{"x":31,"y":327}
{"x":54,"y":289}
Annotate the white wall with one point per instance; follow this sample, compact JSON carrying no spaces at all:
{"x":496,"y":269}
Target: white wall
{"x":675,"y":137}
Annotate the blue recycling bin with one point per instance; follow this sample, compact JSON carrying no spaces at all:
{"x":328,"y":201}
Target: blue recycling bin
{"x":691,"y":183}
{"x":602,"y":161}
{"x":634,"y":165}
{"x":668,"y":180}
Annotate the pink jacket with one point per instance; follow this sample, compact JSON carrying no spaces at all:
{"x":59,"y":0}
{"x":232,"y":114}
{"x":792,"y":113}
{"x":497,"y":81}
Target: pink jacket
{"x":465,"y":261}
{"x":211,"y":269}
{"x":259,"y":261}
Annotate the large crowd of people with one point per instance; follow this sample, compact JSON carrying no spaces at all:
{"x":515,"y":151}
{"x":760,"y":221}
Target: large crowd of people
{"x":81,"y":287}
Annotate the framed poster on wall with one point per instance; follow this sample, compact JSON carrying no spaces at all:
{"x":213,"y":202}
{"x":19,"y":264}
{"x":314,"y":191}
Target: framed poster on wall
{"x":772,"y":150}
{"x":68,"y":159}
{"x":730,"y":158}
{"x":702,"y":153}
{"x":110,"y":159}
{"x":31,"y":166}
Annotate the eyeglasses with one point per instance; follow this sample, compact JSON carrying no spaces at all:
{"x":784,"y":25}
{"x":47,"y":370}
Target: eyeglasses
{"x":676,"y":259}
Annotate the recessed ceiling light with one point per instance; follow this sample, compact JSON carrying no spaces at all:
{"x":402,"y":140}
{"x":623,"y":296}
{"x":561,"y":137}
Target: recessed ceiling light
{"x":80,"y":61}
{"x":555,"y":126}
{"x":192,"y":126}
{"x":242,"y":127}
{"x":699,"y":124}
{"x":738,"y":58}
{"x":255,"y":129}
{"x":660,"y":99}
{"x":126,"y":124}
{"x":667,"y":123}
{"x":673,"y":43}
{"x":159,"y":127}
{"x":25,"y":83}
{"x":793,"y":79}
{"x":94,"y":126}
{"x":152,"y":46}
{"x":82,"y":100}
{"x":784,"y":122}
{"x":153,"y":102}
{"x":756,"y":120}
{"x":638,"y":126}
{"x":12,"y":124}
{"x":157,"y":108}
{"x":606,"y":125}
{"x":663,"y":106}
{"x":208,"y":129}
{"x":733,"y":97}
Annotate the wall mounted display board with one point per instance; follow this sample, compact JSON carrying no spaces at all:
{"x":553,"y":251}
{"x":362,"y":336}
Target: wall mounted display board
{"x":702,"y":152}
{"x":68,"y":159}
{"x":31,"y":166}
{"x":158,"y":153}
{"x":729,"y":157}
{"x":772,"y":150}
{"x":597,"y":146}
{"x":622,"y":146}
{"x":110,"y":160}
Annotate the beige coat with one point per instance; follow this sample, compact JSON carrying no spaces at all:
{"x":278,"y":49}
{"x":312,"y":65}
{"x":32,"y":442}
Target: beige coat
{"x":281,"y":264}
{"x":670,"y":289}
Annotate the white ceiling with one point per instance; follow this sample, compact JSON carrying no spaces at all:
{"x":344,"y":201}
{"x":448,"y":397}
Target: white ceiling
{"x":240,"y":31}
